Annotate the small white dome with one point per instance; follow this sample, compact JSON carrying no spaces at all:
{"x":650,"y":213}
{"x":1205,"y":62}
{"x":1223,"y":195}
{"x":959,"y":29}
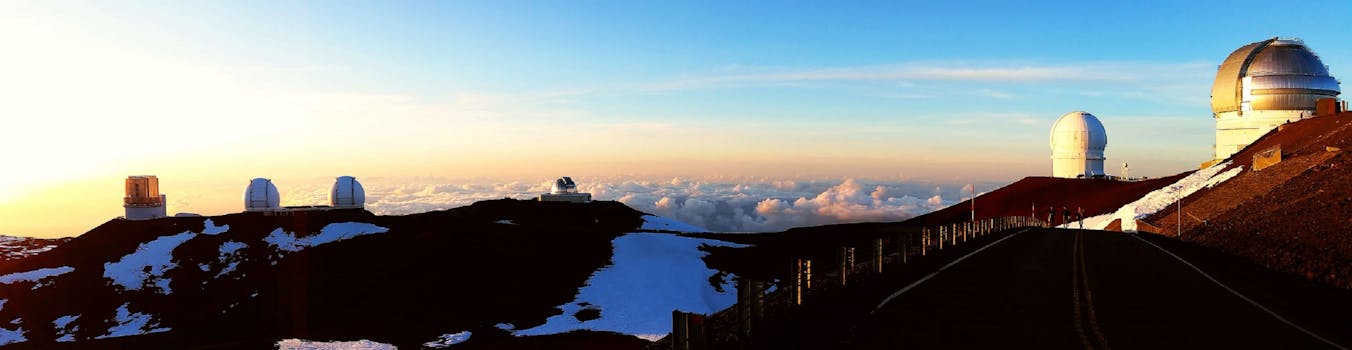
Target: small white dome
{"x":1078,"y":140}
{"x":347,"y":193}
{"x":261,"y":195}
{"x":563,"y":185}
{"x":1079,"y":133}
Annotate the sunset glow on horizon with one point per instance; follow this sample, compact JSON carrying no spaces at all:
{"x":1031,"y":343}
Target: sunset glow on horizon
{"x":503,"y":97}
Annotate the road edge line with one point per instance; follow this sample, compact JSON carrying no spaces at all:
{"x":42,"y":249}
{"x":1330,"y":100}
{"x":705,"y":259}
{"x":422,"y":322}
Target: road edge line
{"x":1241,"y":296}
{"x":941,"y":269}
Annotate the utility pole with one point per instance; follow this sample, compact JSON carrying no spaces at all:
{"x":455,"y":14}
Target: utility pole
{"x":1180,"y":214}
{"x":973,"y":186}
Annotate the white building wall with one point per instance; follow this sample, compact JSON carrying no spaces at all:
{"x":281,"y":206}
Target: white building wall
{"x":566,"y":197}
{"x":1234,"y":132}
{"x":1075,"y":167}
{"x":147,"y":213}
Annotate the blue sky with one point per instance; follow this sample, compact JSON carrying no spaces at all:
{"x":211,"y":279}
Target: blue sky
{"x":935,"y":91}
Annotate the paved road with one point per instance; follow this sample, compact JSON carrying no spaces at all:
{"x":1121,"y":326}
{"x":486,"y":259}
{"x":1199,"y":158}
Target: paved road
{"x":1076,"y":289}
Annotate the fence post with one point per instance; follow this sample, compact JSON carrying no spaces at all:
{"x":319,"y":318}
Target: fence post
{"x":846,"y":263}
{"x":750,"y":299}
{"x":802,"y":280}
{"x":924,"y":241}
{"x":878,"y":255}
{"x":904,"y":242}
{"x":743,"y":308}
{"x":942,"y":237}
{"x":757,"y":301}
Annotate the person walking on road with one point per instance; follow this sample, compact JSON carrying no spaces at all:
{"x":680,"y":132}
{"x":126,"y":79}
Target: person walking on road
{"x":1080,"y":216}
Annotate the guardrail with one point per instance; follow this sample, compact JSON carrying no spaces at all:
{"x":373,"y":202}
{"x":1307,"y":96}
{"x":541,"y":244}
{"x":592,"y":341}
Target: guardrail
{"x":735,"y":326}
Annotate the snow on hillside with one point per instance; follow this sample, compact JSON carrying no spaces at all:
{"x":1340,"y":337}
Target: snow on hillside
{"x":650,"y":275}
{"x":15,"y":248}
{"x":210,"y":228}
{"x":230,"y":256}
{"x":658,"y":223}
{"x":1098,"y":222}
{"x":60,"y":324}
{"x":131,"y":323}
{"x":35,"y":275}
{"x":298,"y":344}
{"x":8,"y":336}
{"x":446,"y":340}
{"x":1164,"y":197}
{"x":286,"y":241}
{"x":147,"y":264}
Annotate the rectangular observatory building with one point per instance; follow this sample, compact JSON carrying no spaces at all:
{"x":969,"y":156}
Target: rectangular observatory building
{"x":144,"y":200}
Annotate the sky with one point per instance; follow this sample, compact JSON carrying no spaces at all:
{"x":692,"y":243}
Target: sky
{"x":437,"y":104}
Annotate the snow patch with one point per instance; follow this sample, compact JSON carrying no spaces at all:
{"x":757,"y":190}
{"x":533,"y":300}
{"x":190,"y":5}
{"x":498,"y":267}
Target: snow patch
{"x":505,"y":326}
{"x":63,"y":334}
{"x":1099,"y":222}
{"x":658,"y":223}
{"x":1164,"y":197}
{"x":210,"y":228}
{"x":286,"y":241}
{"x":230,"y":256}
{"x":131,"y":323}
{"x":650,"y":275}
{"x":35,"y":275}
{"x":15,"y":248}
{"x":504,"y":222}
{"x":147,"y":264}
{"x":446,"y":340}
{"x":298,"y":344}
{"x":12,"y":336}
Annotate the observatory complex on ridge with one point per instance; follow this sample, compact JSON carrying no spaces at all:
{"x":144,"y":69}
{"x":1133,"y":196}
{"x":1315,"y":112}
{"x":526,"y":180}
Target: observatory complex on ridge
{"x":565,"y":190}
{"x":1263,"y":85}
{"x":1078,"y":140}
{"x":1259,"y":87}
{"x":262,"y":196}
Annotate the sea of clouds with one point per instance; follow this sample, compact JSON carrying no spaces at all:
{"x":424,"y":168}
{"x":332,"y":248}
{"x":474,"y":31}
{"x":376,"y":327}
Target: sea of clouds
{"x":723,"y":205}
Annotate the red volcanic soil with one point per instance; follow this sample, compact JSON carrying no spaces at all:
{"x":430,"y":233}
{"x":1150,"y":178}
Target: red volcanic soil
{"x":430,"y":274}
{"x":1295,"y":216}
{"x":1096,"y":197}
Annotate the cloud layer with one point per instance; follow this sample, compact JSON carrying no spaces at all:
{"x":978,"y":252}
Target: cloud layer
{"x":752,"y":205}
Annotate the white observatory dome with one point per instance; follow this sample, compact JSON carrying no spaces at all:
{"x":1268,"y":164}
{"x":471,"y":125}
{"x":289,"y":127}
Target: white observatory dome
{"x":261,"y":195}
{"x":1263,"y":85}
{"x":564,"y":185}
{"x":1078,"y":140}
{"x":347,"y":193}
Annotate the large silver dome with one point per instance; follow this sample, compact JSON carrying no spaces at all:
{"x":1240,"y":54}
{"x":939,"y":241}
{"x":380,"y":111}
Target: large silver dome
{"x":1273,"y":74}
{"x":563,"y":185}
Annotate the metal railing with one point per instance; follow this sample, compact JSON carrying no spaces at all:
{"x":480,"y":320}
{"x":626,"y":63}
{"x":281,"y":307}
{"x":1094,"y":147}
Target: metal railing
{"x":734,"y":326}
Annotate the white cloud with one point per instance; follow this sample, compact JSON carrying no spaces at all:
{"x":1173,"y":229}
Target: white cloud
{"x":730,"y":205}
{"x":904,"y":74}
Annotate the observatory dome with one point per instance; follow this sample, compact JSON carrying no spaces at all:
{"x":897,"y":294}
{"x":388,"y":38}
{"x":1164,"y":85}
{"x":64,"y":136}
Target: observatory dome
{"x":1078,"y":140}
{"x":564,"y":185}
{"x":565,"y":190}
{"x":261,"y":195}
{"x":1265,"y":84}
{"x":347,"y":193}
